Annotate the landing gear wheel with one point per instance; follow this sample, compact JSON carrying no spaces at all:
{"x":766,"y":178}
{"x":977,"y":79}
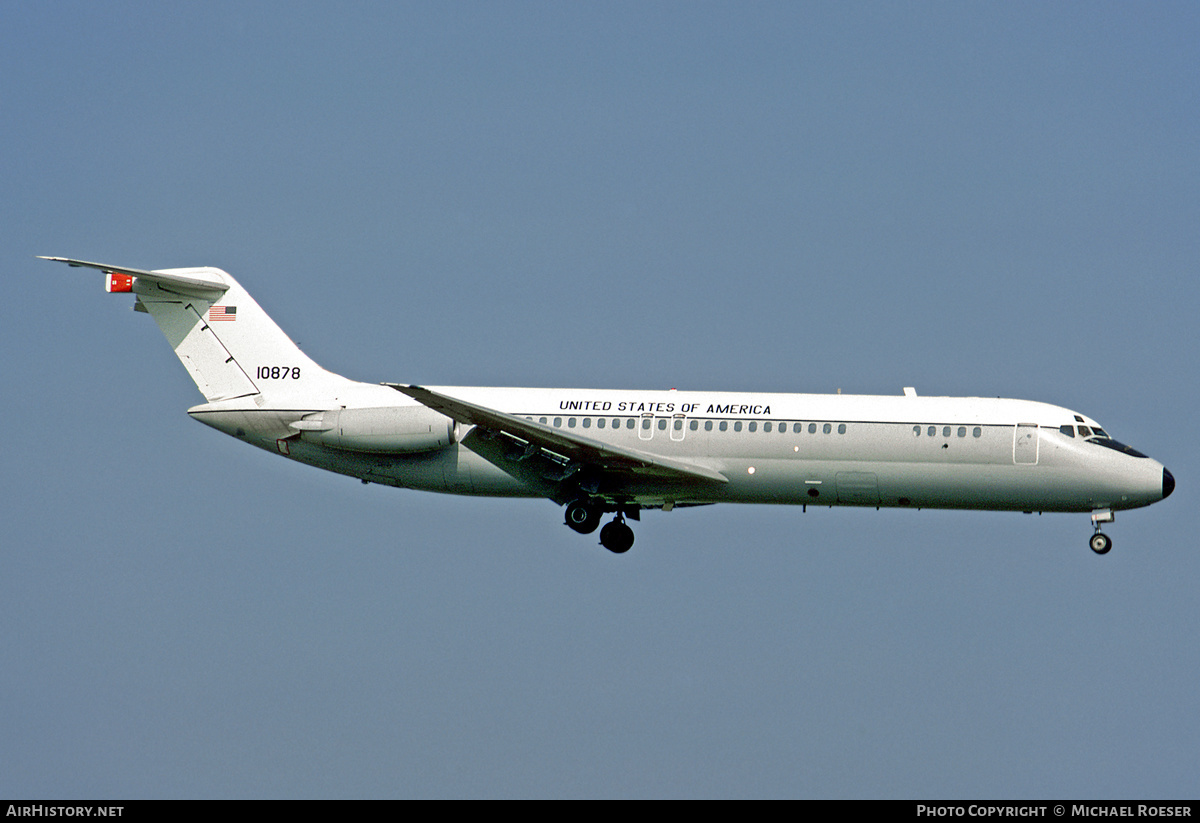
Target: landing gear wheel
{"x":616,"y":537}
{"x":1100,"y":543}
{"x":583,"y":516}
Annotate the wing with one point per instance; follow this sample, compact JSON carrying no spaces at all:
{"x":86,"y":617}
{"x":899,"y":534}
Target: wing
{"x":509,"y":442}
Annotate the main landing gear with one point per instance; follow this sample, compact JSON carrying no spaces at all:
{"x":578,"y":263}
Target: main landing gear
{"x":616,"y":536}
{"x":1101,"y":543}
{"x":584,"y":515}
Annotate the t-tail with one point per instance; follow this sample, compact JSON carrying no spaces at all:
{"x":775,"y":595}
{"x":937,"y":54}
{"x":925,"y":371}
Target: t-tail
{"x":227,"y":343}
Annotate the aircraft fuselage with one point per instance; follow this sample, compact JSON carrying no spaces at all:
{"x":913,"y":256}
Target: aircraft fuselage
{"x":799,"y":449}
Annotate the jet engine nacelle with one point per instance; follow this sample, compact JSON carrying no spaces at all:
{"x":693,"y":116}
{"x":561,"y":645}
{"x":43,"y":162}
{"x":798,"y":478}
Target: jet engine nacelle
{"x":389,"y":429}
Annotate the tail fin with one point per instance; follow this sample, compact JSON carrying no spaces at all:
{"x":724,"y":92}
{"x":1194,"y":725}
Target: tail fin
{"x":224,"y":339}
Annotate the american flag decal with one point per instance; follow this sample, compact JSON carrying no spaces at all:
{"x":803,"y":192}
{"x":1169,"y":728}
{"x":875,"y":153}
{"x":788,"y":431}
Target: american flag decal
{"x":216,"y":313}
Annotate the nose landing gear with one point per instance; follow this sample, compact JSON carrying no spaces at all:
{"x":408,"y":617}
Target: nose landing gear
{"x":1101,"y":543}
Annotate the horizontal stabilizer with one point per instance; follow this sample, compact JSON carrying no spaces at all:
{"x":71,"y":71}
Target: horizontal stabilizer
{"x":196,"y":281}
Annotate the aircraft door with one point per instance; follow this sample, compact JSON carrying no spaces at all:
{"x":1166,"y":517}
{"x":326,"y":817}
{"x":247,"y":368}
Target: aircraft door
{"x":678,"y":427}
{"x":646,"y":427}
{"x":858,"y":488}
{"x":1025,"y":444}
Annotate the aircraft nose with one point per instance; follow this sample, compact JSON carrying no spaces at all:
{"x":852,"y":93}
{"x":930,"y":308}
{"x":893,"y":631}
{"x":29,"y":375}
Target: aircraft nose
{"x":1168,"y":483}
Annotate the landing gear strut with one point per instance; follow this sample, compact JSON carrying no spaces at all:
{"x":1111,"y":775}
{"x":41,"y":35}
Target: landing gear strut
{"x":1101,"y":543}
{"x":616,"y":536}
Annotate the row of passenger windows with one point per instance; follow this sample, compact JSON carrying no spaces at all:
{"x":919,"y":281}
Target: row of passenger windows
{"x":694,"y":425}
{"x":768,"y":426}
{"x":947,"y":431}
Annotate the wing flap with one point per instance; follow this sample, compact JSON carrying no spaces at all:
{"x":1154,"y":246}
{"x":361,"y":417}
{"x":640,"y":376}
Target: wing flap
{"x":604,"y":456}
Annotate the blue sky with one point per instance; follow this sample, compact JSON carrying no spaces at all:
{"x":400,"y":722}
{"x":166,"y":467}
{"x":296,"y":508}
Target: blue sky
{"x":973,"y":199}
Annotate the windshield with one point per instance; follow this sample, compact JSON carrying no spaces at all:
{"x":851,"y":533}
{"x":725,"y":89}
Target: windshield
{"x":1109,"y":443}
{"x":1097,"y":435}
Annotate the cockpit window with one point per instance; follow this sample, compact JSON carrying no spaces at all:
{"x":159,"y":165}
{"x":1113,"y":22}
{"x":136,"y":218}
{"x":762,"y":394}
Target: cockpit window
{"x":1099,"y":432}
{"x":1069,"y":431}
{"x":1109,"y":443}
{"x":1084,"y":431}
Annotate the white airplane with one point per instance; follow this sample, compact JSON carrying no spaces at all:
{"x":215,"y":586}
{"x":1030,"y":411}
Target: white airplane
{"x":599,"y":452}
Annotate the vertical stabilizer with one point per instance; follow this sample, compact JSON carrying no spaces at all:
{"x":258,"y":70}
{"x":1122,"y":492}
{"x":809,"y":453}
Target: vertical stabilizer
{"x":227,"y":343}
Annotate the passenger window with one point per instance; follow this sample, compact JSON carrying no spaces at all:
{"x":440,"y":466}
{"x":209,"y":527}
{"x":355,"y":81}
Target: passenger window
{"x":737,"y":427}
{"x":812,"y":428}
{"x":628,"y":423}
{"x":695,"y":424}
{"x":662,"y":425}
{"x":797,"y":428}
{"x":827,"y":428}
{"x":645,"y":422}
{"x":570,"y":422}
{"x":542,"y":420}
{"x":841,"y":428}
{"x":962,"y":431}
{"x":724,"y":425}
{"x":678,"y":425}
{"x":599,"y":422}
{"x":976,"y":432}
{"x":932,"y":431}
{"x":916,"y":431}
{"x":945,"y":431}
{"x":558,"y":422}
{"x":753,"y":426}
{"x":783,"y":428}
{"x":708,"y":425}
{"x":767,"y":426}
{"x":587,"y":422}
